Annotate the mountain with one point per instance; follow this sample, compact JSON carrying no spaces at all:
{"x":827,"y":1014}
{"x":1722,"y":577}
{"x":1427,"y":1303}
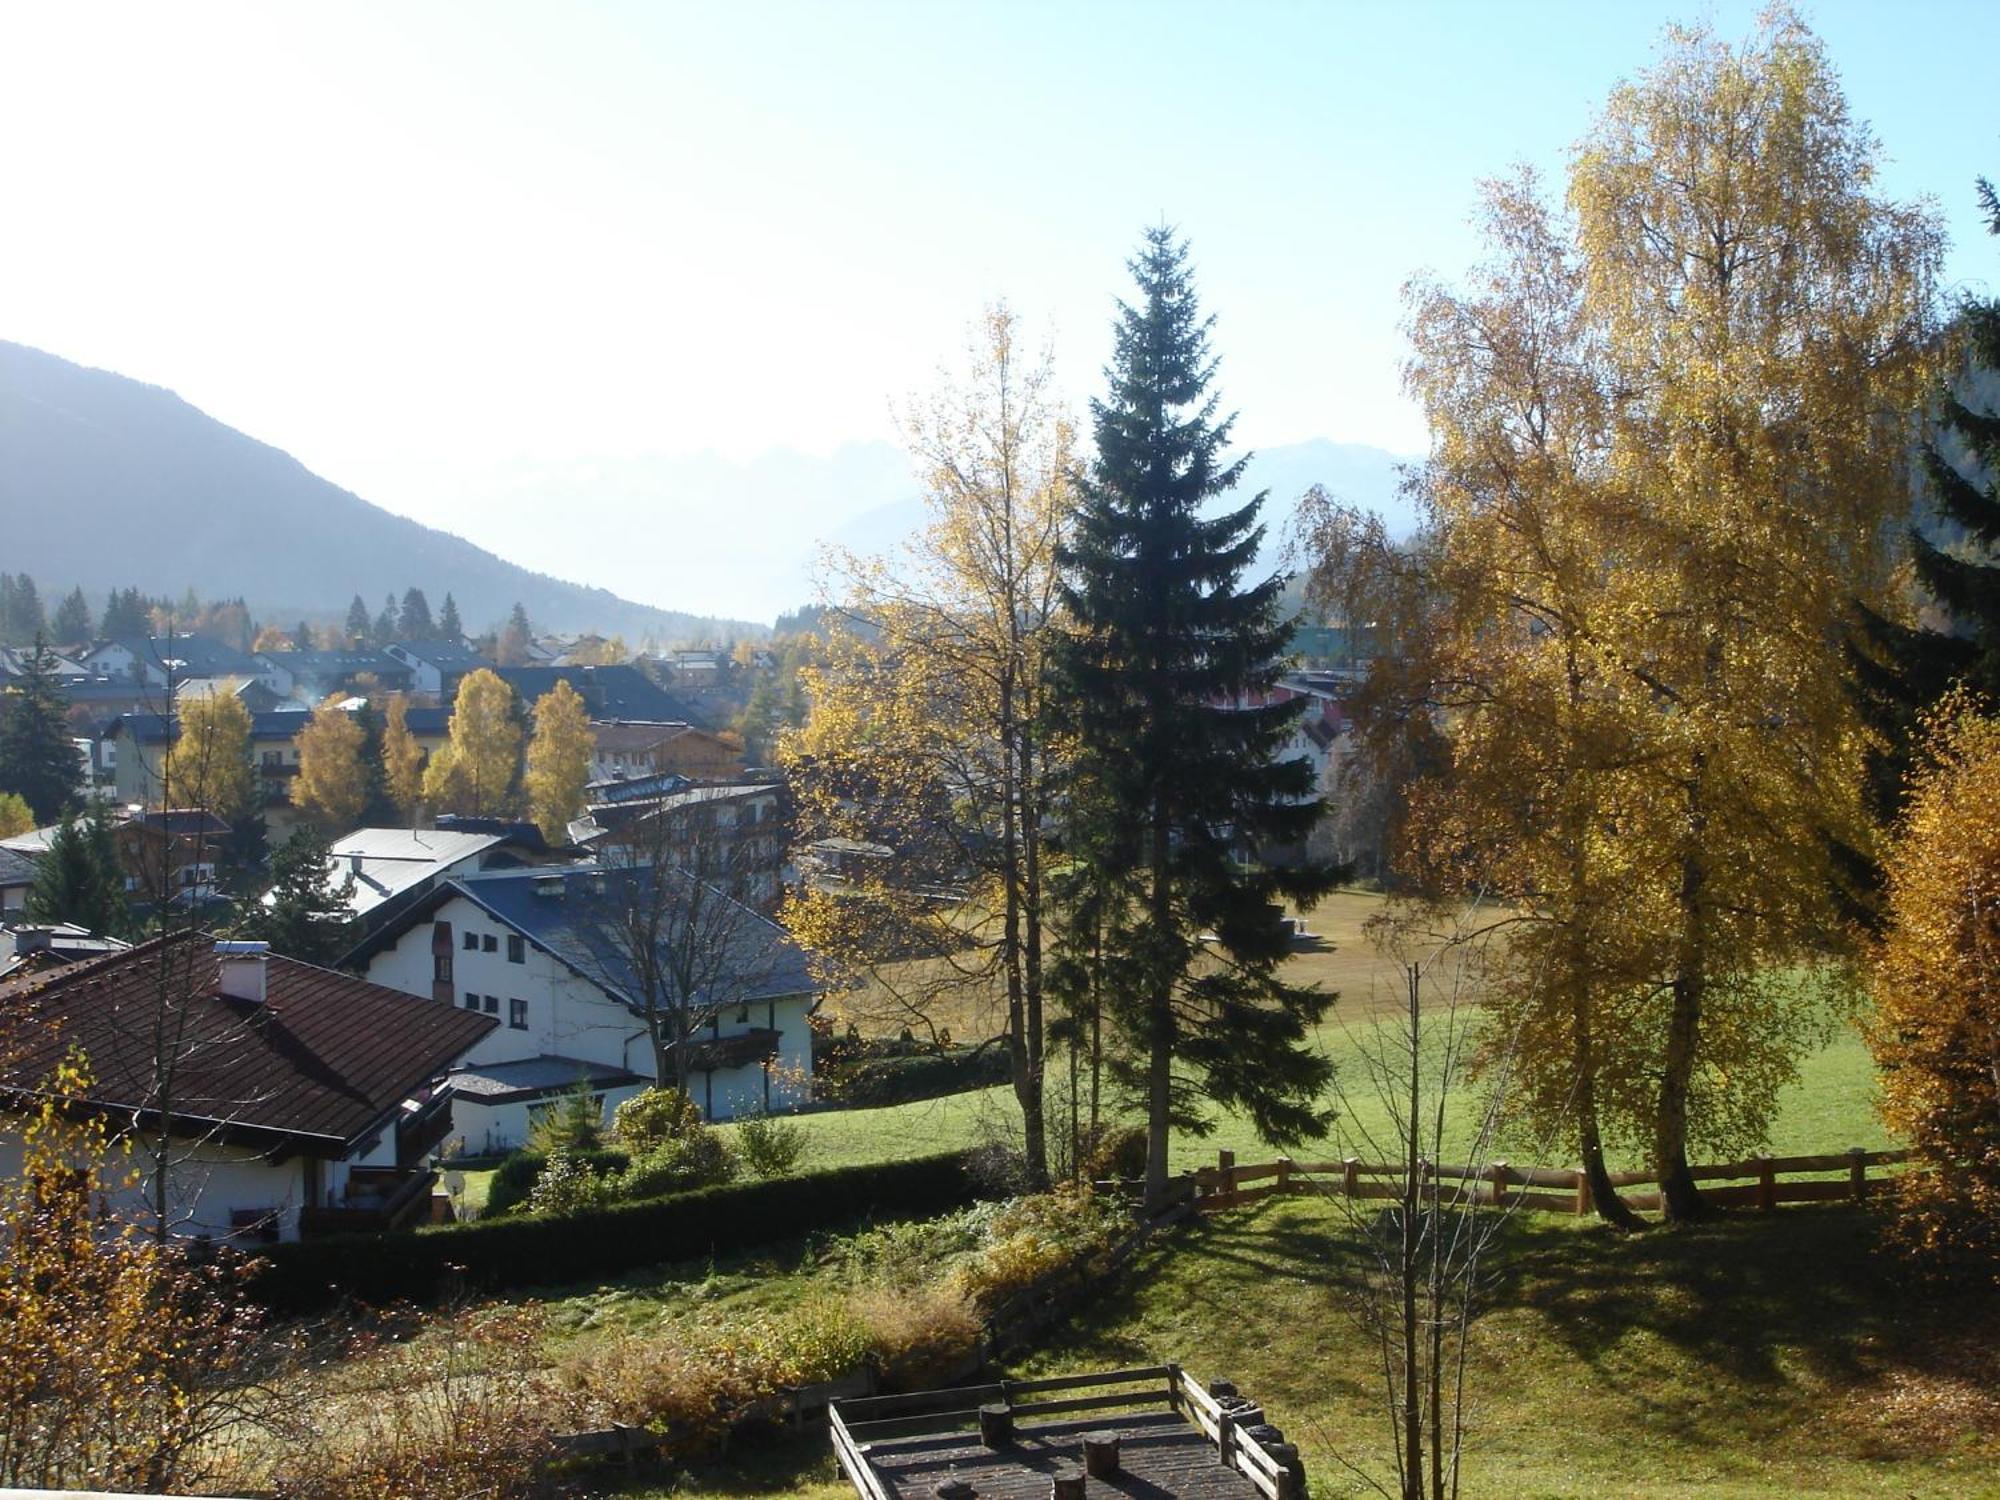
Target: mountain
{"x":108,"y":482}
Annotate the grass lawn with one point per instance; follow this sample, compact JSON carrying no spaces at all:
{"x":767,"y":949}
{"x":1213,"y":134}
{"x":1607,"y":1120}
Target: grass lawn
{"x":1751,"y":1358}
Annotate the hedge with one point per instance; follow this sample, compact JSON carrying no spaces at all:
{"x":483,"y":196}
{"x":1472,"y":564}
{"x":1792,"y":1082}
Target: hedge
{"x":532,"y":1250}
{"x":872,"y":1082}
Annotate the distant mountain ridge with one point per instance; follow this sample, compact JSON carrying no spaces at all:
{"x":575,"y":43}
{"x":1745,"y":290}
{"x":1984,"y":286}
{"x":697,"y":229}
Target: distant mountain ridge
{"x":108,"y":482}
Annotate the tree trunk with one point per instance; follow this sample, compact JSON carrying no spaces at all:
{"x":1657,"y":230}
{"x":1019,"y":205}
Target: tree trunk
{"x":1590,"y":1142}
{"x":1413,"y":1176}
{"x":1679,"y":1197}
{"x":1160,"y":1026}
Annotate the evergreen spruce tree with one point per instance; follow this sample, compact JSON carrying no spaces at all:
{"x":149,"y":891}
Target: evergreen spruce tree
{"x":385,"y":623}
{"x":378,"y":808}
{"x":1175,"y":797}
{"x":72,"y":620}
{"x":38,"y":759}
{"x":21,"y":618}
{"x":307,"y":916}
{"x":79,"y":879}
{"x":414,"y":623}
{"x":124,"y":616}
{"x":449,"y":627}
{"x":359,"y":626}
{"x":1901,"y":670}
{"x":302,"y":637}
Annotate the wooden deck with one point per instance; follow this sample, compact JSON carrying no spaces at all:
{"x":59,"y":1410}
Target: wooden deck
{"x":1175,"y":1440}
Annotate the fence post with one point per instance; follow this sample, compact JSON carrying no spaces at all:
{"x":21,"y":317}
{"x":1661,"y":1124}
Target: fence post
{"x":1499,"y":1176}
{"x":1284,"y":1175}
{"x":1225,"y":1166}
{"x":1583,"y":1203}
{"x":1350,"y":1177}
{"x":1767,"y":1182}
{"x":1857,"y":1172}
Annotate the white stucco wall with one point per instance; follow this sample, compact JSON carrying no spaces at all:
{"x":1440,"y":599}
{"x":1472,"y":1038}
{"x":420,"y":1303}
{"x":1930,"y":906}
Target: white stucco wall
{"x":206,"y":1183}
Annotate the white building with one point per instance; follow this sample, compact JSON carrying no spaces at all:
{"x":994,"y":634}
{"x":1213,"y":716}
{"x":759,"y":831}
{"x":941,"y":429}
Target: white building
{"x":536,"y":951}
{"x":306,"y":1101}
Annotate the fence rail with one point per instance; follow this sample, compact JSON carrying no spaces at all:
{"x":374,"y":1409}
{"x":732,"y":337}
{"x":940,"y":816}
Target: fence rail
{"x":1761,"y":1182}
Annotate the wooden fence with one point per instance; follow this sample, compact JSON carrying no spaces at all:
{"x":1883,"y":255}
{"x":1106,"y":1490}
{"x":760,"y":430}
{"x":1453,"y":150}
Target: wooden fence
{"x":1760,"y":1182}
{"x":1233,"y":1424}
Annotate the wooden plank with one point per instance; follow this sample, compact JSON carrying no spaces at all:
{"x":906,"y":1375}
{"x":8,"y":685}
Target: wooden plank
{"x":1254,"y":1174}
{"x":1244,"y":1465}
{"x":1814,"y":1192}
{"x":1078,"y":1382}
{"x":922,"y":1424}
{"x":1547,"y":1203}
{"x":867,"y":1407}
{"x":1092,"y":1403}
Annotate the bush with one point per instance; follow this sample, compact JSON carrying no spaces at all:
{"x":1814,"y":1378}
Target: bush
{"x":567,"y":1186}
{"x":1119,"y":1151}
{"x":771,"y":1147}
{"x":514,"y":1179}
{"x":920,"y":1336}
{"x":521,"y":1250}
{"x":574,"y":1122}
{"x":699,"y":1158}
{"x":653,"y":1117}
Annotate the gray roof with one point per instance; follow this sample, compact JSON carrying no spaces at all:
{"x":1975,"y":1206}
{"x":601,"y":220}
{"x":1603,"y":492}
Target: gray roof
{"x":394,"y":860}
{"x":534,"y":1078}
{"x":568,"y":913}
{"x":16,"y":866}
{"x":451,"y":656}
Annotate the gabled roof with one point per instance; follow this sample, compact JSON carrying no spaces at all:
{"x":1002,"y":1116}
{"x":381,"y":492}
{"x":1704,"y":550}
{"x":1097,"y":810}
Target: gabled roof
{"x":567,"y":912}
{"x":324,"y":1060}
{"x":609,"y":692}
{"x":17,"y":867}
{"x":194,"y":655}
{"x":386,"y":862}
{"x":157,"y":729}
{"x":449,"y":656}
{"x":337,"y":663}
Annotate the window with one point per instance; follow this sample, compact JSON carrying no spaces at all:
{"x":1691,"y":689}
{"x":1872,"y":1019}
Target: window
{"x":274,"y":760}
{"x":489,"y":943}
{"x":471,"y":1001}
{"x":441,"y":968}
{"x":472,"y":942}
{"x":517,"y":949}
{"x":517,"y":1014}
{"x":492,"y":1005}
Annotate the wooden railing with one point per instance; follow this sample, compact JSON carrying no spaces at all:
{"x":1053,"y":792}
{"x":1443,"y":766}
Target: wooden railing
{"x":1759,"y":1182}
{"x":1234,"y":1425}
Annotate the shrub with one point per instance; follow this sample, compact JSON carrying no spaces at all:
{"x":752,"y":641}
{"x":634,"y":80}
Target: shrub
{"x":698,"y":1158}
{"x":652,"y":1117}
{"x":870,"y":1082}
{"x":514,"y":1179}
{"x":920,"y":1335}
{"x":909,"y":1254}
{"x":1119,"y":1151}
{"x":575,"y":1121}
{"x":567,"y":1185}
{"x":528,"y":1250}
{"x":770,"y":1146}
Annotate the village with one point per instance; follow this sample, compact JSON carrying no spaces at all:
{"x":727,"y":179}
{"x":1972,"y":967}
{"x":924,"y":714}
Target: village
{"x":1122,"y":962}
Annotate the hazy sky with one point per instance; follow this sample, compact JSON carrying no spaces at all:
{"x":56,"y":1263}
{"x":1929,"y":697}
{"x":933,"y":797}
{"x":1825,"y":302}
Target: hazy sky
{"x":428,"y":248}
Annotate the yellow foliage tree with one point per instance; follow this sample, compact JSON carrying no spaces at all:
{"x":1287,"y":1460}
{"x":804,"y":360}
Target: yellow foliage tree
{"x":117,"y":1357}
{"x":925,"y":734}
{"x":15,"y":815}
{"x":208,"y":765}
{"x":558,"y":762}
{"x":332,"y":784}
{"x":402,"y":758}
{"x":1936,"y":1033}
{"x":475,"y":771}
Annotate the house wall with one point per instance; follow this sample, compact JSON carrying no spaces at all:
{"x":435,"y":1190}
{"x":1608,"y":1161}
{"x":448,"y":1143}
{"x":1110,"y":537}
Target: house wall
{"x":568,"y":1016}
{"x":204,"y":1188}
{"x":504,"y":1127}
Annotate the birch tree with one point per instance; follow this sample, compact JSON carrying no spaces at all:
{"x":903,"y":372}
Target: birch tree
{"x":926,"y":736}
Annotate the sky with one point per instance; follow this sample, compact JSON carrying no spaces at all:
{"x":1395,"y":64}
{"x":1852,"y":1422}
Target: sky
{"x":520,"y":270}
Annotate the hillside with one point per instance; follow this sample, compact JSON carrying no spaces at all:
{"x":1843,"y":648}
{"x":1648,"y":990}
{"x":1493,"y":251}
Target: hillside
{"x":108,"y":482}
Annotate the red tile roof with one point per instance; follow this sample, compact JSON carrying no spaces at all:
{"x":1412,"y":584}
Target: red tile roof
{"x":323,"y":1060}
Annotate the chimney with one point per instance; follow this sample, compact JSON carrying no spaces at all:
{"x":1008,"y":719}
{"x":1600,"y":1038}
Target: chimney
{"x":354,"y":865}
{"x":243,"y":968}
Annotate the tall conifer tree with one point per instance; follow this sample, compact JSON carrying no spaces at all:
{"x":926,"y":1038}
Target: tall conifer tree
{"x":38,"y":759}
{"x":1176,"y":796}
{"x":449,"y":626}
{"x":1900,"y":669}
